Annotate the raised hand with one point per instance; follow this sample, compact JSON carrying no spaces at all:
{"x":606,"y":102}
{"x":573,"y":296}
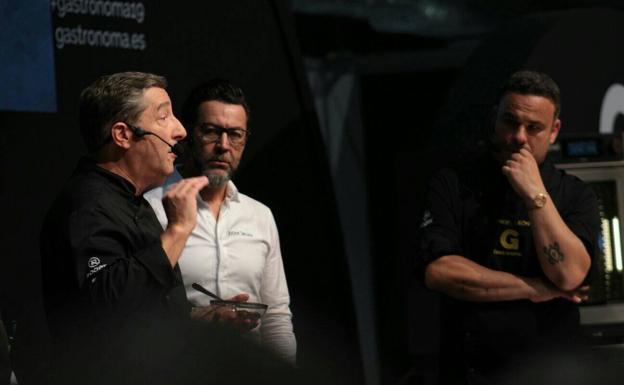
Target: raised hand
{"x":523,"y":174}
{"x":180,"y":203}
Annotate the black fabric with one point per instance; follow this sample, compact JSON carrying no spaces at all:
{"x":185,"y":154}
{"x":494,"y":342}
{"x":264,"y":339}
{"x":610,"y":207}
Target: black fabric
{"x":104,"y":270}
{"x":472,"y":211}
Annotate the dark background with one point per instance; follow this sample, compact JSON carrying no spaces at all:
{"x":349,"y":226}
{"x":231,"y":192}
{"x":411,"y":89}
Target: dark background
{"x":426,"y":82}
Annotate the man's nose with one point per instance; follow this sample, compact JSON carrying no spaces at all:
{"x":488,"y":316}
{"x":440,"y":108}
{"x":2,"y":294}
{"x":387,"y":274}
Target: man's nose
{"x":179,"y":132}
{"x":520,"y":135}
{"x":223,"y":141}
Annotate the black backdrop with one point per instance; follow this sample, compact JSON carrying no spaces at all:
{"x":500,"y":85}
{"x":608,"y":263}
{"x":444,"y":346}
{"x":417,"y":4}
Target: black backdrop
{"x":250,"y":42}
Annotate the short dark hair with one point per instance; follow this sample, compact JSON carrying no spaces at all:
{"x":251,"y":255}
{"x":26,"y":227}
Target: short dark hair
{"x":110,"y":99}
{"x":533,"y":83}
{"x":220,"y":90}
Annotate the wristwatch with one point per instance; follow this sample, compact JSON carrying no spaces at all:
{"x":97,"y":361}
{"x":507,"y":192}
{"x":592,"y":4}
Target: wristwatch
{"x":539,"y":200}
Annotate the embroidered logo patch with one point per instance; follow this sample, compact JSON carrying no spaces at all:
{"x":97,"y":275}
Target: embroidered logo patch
{"x":93,"y":262}
{"x":509,"y":239}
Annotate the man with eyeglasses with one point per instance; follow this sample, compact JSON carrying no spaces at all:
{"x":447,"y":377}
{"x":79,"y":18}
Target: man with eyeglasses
{"x":234,"y":250}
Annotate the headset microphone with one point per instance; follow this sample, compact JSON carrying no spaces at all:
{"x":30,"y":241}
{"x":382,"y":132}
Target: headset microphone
{"x":177,"y":148}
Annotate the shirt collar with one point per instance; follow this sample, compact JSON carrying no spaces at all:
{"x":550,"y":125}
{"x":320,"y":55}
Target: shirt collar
{"x":231,"y":192}
{"x":231,"y":195}
{"x":87,"y":164}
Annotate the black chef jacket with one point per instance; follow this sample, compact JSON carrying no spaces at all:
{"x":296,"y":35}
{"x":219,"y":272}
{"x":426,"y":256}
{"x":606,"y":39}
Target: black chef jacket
{"x":103,"y":264}
{"x":473,"y":211}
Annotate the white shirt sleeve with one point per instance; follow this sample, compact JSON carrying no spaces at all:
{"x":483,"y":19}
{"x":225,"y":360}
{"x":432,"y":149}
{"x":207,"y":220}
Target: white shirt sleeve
{"x":276,"y":329}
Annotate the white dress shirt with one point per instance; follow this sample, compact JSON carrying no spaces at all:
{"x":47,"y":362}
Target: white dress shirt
{"x":238,"y":253}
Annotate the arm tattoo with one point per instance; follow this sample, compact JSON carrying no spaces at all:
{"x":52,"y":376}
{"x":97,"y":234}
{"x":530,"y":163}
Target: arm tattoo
{"x":553,"y":253}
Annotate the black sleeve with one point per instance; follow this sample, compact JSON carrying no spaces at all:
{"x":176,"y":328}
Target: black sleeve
{"x":439,"y":230}
{"x":110,"y":267}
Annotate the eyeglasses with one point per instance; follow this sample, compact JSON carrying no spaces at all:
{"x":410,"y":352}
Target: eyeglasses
{"x":208,"y":133}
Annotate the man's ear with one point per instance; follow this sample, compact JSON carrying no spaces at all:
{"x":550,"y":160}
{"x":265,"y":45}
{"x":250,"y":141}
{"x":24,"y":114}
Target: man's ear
{"x":555,"y":131}
{"x":121,"y":135}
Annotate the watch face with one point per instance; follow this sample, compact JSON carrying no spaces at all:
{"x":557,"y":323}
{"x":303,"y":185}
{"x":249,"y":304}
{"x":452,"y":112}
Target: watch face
{"x":540,"y":200}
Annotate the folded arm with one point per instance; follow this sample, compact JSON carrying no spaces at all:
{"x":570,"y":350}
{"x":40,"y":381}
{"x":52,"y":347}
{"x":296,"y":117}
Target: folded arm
{"x":562,"y":255}
{"x":461,"y":278}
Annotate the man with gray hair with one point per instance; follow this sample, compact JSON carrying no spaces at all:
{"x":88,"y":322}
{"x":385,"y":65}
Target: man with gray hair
{"x":106,"y":262}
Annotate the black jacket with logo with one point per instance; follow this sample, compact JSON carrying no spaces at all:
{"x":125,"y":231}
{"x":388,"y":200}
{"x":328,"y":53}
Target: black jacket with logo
{"x":103,"y":266}
{"x":473,"y":211}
